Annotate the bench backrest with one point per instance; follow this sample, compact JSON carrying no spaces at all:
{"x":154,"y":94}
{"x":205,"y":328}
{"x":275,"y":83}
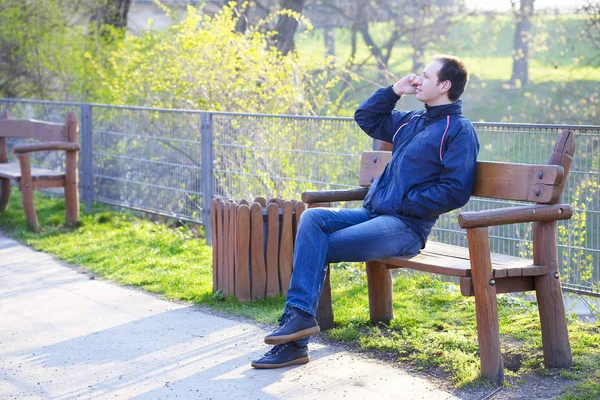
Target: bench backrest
{"x":41,"y":131}
{"x":538,"y":183}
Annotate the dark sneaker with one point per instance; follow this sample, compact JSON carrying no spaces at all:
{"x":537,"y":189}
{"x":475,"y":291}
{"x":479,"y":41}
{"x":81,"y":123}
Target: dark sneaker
{"x":282,"y":355}
{"x":293,"y":327}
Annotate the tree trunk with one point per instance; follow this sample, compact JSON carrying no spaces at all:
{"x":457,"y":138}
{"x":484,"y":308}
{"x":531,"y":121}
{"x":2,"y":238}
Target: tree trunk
{"x":286,"y":26}
{"x":111,"y":13}
{"x":329,"y":37}
{"x":520,"y":71}
{"x":418,"y":59}
{"x":242,"y":15}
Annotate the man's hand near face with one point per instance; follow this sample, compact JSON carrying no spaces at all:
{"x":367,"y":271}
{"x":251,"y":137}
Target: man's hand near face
{"x":406,"y":85}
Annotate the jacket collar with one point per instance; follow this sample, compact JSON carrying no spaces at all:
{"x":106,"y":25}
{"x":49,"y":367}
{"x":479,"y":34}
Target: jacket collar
{"x":434,"y":112}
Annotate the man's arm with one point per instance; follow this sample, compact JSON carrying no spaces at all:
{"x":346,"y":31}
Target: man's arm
{"x":456,"y":180}
{"x":376,"y":115}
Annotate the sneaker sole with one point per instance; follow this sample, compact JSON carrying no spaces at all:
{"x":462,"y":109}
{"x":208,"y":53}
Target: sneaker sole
{"x":297,"y":361}
{"x":294,"y":336}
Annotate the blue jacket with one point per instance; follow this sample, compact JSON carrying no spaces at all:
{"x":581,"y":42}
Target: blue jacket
{"x":434,"y":156}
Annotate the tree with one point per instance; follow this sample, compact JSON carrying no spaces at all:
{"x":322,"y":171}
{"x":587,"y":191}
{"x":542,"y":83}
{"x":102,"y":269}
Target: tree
{"x":287,"y":25}
{"x":110,"y":16}
{"x":520,"y":71}
{"x":592,"y":10}
{"x":418,"y":22}
{"x":257,"y":12}
{"x":43,"y":44}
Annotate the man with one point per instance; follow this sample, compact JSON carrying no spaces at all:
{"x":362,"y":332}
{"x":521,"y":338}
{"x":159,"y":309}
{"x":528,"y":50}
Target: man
{"x":432,"y":171}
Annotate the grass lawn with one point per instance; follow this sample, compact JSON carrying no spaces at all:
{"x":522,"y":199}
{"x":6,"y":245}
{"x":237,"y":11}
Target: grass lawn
{"x":434,"y":325}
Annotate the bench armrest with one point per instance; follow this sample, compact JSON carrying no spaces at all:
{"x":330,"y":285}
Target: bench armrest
{"x":328,"y":196}
{"x":46,"y":146}
{"x":514,"y":215}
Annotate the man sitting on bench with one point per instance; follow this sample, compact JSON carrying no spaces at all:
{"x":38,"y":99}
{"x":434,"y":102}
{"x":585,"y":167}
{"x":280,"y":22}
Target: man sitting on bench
{"x":431,"y":172}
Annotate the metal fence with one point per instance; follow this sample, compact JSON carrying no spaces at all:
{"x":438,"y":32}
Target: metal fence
{"x":173,"y":162}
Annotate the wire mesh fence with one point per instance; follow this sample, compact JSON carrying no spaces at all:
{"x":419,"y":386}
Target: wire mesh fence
{"x":173,"y":162}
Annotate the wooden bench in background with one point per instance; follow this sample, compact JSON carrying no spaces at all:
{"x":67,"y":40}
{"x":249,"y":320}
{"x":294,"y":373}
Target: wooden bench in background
{"x":483,"y":274}
{"x":51,"y":137}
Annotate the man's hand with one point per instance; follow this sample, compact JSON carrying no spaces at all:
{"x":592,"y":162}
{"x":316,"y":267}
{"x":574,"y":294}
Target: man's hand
{"x":406,"y":85}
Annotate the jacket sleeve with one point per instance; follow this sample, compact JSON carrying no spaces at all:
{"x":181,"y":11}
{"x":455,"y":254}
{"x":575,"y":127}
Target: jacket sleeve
{"x":456,"y":180}
{"x":377,"y":117}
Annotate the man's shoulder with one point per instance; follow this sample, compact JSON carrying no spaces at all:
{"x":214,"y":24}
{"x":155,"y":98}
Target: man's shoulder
{"x":464,"y":122}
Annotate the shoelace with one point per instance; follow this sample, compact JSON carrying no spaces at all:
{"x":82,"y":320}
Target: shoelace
{"x":284,"y":319}
{"x":275,"y":350}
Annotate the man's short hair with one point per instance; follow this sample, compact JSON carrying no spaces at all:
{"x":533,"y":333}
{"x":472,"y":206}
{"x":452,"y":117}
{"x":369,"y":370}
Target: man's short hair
{"x":453,"y":70}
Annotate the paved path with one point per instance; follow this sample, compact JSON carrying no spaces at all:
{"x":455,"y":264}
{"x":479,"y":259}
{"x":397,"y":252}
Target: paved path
{"x":66,"y":336}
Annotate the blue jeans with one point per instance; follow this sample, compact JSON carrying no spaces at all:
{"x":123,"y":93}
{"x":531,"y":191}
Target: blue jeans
{"x":327,"y":235}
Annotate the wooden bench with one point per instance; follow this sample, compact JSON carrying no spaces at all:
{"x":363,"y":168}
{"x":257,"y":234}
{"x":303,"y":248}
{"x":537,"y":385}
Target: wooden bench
{"x":483,"y":274}
{"x":51,"y":137}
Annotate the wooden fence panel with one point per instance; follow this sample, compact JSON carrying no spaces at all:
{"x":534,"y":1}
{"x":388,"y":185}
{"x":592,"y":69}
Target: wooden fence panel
{"x":257,"y":255}
{"x":286,"y":250}
{"x":242,"y":289}
{"x":272,"y":257}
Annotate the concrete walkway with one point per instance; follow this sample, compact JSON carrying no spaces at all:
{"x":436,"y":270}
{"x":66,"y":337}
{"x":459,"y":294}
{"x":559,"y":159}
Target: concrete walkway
{"x":64,"y":335}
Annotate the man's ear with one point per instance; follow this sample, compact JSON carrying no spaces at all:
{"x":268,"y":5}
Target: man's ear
{"x":445,"y":87}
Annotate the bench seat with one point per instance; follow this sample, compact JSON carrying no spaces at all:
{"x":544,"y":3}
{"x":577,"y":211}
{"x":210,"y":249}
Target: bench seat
{"x":451,"y":260}
{"x":13,"y":171}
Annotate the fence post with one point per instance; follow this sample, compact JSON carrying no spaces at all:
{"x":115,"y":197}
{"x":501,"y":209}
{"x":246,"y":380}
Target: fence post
{"x":86,"y":156}
{"x":206,"y":141}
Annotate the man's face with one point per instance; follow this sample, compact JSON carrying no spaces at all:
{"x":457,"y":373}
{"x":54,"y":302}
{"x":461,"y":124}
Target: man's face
{"x":429,"y":89}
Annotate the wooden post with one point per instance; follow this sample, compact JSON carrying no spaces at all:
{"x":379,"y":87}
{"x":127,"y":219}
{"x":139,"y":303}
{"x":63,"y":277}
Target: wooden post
{"x":555,"y":337}
{"x":231,"y":250}
{"x":220,"y":241}
{"x":486,"y":307}
{"x":225,"y":262}
{"x":324,"y":311}
{"x":27,"y":192}
{"x":4,"y":193}
{"x":215,"y":244}
{"x":4,"y":183}
{"x":242,"y":288}
{"x":257,"y":255}
{"x":286,"y":251}
{"x":71,"y":174}
{"x":379,"y":281}
{"x":272,"y":259}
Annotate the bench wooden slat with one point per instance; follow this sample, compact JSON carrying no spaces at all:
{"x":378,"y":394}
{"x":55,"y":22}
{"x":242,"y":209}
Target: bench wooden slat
{"x":539,"y":183}
{"x":29,"y":128}
{"x":454,"y":260}
{"x":519,"y":182}
{"x":13,"y":171}
{"x":372,"y":164}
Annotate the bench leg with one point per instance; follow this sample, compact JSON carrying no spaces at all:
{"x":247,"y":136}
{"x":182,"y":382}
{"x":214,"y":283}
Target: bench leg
{"x":71,"y":191}
{"x":379,"y":280}
{"x":30,"y":214}
{"x":27,"y":192}
{"x":324,"y":310}
{"x":4,"y":193}
{"x":486,"y":306}
{"x":555,"y":337}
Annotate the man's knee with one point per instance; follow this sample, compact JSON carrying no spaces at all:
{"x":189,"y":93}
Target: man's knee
{"x":312,"y":215}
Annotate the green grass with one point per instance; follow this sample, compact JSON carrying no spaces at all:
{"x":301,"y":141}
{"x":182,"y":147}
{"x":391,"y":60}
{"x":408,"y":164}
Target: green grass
{"x":434,"y":327}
